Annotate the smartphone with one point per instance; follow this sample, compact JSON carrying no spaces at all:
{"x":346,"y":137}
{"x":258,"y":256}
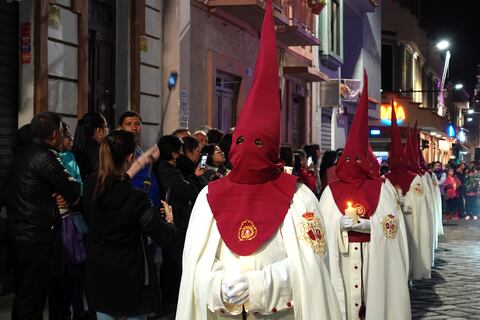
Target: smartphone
{"x":203,"y":161}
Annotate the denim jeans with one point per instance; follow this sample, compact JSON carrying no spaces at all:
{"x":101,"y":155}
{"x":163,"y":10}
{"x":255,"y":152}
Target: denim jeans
{"x":104,"y":316}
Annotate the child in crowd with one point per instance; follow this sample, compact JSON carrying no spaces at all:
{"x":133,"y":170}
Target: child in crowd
{"x":472,"y":185}
{"x":452,"y":186}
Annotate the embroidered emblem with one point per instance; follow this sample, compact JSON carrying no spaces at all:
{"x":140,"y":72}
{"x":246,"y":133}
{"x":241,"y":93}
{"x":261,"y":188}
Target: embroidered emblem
{"x":360,"y":209}
{"x":435,"y":183}
{"x":390,"y":226}
{"x":312,"y":232}
{"x":247,"y":231}
{"x":418,"y":189}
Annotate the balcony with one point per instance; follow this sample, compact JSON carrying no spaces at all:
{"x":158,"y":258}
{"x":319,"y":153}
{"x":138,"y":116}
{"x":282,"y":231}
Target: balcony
{"x":295,"y":22}
{"x":249,"y":11}
{"x":300,"y":30}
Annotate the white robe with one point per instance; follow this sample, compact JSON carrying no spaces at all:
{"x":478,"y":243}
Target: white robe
{"x":432,"y":211}
{"x":385,"y":262}
{"x":438,"y":198}
{"x":288,"y":272}
{"x":419,"y":230}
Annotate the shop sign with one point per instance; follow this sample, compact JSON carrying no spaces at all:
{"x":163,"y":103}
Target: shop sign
{"x":451,"y":131}
{"x":386,"y":113}
{"x":443,"y":145}
{"x":25,"y":43}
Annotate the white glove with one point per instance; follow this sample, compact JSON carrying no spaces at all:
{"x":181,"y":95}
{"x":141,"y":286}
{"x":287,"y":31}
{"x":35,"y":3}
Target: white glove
{"x":346,"y":223}
{"x":363,"y":226}
{"x":235,"y":289}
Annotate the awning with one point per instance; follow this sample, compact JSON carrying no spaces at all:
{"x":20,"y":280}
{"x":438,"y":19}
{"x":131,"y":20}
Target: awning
{"x":309,"y":74}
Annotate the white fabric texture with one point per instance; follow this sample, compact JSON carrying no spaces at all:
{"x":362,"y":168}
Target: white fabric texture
{"x":295,"y":272}
{"x":419,"y":230}
{"x":438,"y":198}
{"x":385,"y":262}
{"x":432,"y":207}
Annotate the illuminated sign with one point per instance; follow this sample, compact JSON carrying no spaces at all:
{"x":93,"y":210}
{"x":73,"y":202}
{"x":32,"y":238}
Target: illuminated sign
{"x":375,"y":132}
{"x":451,"y":131}
{"x":386,"y":113}
{"x":461,"y":136}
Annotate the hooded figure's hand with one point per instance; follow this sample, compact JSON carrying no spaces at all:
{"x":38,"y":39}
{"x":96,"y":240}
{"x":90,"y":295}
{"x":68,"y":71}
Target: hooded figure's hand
{"x":235,"y":289}
{"x":363,"y":226}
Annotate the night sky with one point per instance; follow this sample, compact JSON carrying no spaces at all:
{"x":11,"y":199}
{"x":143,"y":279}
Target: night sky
{"x":458,"y":22}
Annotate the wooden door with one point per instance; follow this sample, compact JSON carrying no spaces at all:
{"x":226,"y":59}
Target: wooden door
{"x":101,"y":64}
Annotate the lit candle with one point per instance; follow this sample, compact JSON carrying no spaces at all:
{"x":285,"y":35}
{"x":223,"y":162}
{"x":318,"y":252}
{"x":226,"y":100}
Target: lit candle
{"x":351,"y":212}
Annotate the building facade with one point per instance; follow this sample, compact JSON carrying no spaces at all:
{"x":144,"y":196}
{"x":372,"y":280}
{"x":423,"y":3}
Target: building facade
{"x":350,"y":31}
{"x":411,"y":71}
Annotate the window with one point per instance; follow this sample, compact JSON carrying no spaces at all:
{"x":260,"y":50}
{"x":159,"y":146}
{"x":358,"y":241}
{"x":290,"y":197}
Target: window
{"x":407,"y":67}
{"x":387,"y":67}
{"x":335,"y":20}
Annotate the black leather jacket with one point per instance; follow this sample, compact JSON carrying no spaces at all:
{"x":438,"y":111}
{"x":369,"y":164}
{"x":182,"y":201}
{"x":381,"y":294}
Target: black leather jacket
{"x":35,"y":174}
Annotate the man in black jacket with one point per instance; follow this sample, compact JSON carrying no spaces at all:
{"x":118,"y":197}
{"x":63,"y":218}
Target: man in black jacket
{"x":37,"y":185}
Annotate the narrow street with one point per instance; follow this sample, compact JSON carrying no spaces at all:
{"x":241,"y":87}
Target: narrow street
{"x":454,"y":290}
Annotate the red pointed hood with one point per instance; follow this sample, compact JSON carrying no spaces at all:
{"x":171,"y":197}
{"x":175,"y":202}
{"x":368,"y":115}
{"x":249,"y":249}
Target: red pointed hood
{"x":357,"y":182}
{"x":250,"y":203}
{"x":416,"y":149}
{"x":409,"y":152}
{"x":399,"y":174}
{"x":423,"y":162}
{"x":373,"y":162}
{"x":353,"y":163}
{"x":260,"y":116}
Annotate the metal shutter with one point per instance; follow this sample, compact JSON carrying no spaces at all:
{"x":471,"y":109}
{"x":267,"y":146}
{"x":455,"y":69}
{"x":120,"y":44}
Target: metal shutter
{"x":8,"y":83}
{"x":326,"y":131}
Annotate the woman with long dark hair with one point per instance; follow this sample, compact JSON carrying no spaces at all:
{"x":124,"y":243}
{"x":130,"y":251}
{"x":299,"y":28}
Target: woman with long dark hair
{"x":121,"y":276}
{"x":92,"y":128}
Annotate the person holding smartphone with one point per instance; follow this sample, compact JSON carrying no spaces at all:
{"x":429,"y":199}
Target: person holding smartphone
{"x":215,"y":160}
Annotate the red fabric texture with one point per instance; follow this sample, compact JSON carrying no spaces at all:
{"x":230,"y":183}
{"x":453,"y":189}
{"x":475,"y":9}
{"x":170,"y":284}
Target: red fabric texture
{"x":410,"y":154}
{"x":250,"y":204}
{"x":357,"y":182}
{"x":416,"y":149}
{"x":308,"y":178}
{"x":399,"y":174}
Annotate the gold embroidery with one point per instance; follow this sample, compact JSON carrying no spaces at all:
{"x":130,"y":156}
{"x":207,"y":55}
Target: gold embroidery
{"x":390,"y":226}
{"x":418,"y":189}
{"x":360,"y":209}
{"x":247,"y":231}
{"x":312,"y":233}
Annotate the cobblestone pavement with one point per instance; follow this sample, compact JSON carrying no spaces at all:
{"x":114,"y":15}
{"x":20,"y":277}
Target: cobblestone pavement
{"x":453,"y":293}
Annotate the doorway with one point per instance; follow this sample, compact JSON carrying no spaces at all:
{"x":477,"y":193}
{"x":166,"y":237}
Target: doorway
{"x":227,"y":86}
{"x":101,"y":61}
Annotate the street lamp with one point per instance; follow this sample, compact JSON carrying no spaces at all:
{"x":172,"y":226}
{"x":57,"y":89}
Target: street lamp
{"x":458,"y":86}
{"x":442,"y":45}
